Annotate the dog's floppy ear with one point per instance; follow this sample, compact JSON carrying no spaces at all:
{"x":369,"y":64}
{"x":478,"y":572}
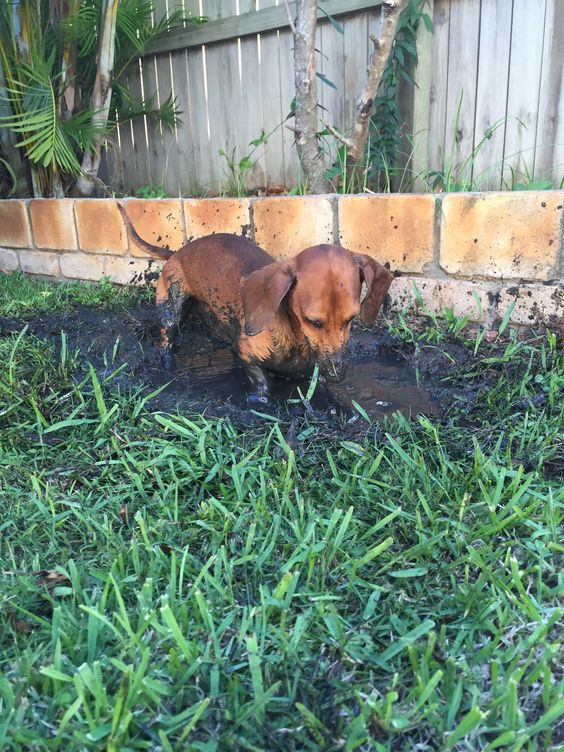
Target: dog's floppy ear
{"x":378,"y":280}
{"x":263,"y":291}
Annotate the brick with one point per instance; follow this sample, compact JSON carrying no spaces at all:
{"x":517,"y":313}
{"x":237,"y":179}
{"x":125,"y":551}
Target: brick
{"x":534,"y":304}
{"x":9,"y":260}
{"x":100,"y":226}
{"x":14,"y":224}
{"x":129,"y":271}
{"x":394,"y":229}
{"x":208,"y":216}
{"x":82,"y":266}
{"x":52,"y":223}
{"x":503,"y":235}
{"x":285,"y":225}
{"x":158,"y":221}
{"x":40,"y":262}
{"x":440,"y":294}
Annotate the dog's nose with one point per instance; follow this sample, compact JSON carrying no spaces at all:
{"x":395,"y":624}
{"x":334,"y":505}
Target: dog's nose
{"x":334,"y":367}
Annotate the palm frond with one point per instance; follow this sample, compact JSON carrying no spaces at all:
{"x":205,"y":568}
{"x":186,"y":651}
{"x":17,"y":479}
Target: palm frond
{"x":45,"y":137}
{"x":83,"y":28}
{"x":167,"y":113}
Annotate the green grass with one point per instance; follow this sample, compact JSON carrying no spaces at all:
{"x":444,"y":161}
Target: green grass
{"x":176,"y":583}
{"x":20,"y":295}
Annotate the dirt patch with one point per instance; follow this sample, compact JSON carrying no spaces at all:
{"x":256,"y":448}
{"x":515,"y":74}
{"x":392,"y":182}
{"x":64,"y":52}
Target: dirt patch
{"x":381,"y":379}
{"x":386,"y":375}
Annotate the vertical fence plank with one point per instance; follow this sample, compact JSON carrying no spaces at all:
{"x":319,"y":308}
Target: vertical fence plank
{"x":524,"y":86}
{"x":291,"y":169}
{"x":251,"y":124}
{"x":549,"y":153}
{"x":154,"y":129}
{"x":274,"y":110}
{"x":439,"y":88}
{"x":332,"y":100}
{"x":422,"y":103}
{"x":355,"y":57}
{"x":462,"y":79}
{"x":493,"y":76}
{"x":223,"y":91}
{"x":132,"y":134}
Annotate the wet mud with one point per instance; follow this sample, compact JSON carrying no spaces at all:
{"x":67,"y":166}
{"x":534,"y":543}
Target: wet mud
{"x":381,"y":379}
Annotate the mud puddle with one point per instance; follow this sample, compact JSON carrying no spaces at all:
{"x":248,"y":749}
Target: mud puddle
{"x":208,"y":377}
{"x":380,"y":385}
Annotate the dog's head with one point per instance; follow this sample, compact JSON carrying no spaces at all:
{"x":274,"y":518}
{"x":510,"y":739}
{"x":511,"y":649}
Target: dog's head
{"x":321,"y":290}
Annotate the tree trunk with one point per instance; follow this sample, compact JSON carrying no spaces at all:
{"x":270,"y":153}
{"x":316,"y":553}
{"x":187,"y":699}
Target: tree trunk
{"x":391,"y":10}
{"x":311,"y":157}
{"x":101,"y":95}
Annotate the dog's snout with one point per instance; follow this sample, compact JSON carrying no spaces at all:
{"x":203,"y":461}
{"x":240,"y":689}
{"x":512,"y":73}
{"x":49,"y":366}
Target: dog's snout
{"x":334,"y":366}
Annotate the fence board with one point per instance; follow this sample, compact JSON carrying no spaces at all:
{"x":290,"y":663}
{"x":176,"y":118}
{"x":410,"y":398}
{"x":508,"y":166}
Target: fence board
{"x":549,"y":154}
{"x":422,"y":103}
{"x":524,"y":82}
{"x":133,"y":147}
{"x":154,"y":130}
{"x":204,"y":160}
{"x":356,"y":56}
{"x":250,"y":93}
{"x":332,"y":46}
{"x":495,"y":43}
{"x":270,"y":18}
{"x":439,"y":81}
{"x":461,"y":100}
{"x":272,"y":112}
{"x":287,"y":91}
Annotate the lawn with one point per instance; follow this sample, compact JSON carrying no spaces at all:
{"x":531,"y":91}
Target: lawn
{"x":179,"y":582}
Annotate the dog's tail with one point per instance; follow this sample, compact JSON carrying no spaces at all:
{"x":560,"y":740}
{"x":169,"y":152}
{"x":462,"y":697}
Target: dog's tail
{"x":164,"y":253}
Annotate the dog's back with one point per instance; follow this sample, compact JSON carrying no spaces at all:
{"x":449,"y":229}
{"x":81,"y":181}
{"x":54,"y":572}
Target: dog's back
{"x":209,"y":269}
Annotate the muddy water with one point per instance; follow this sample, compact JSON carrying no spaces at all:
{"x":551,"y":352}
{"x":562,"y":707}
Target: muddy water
{"x":380,"y":385}
{"x":209,"y":379}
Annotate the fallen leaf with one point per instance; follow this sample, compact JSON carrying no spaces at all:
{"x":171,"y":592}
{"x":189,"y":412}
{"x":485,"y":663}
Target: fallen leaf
{"x":50,"y":578}
{"x":20,"y":625}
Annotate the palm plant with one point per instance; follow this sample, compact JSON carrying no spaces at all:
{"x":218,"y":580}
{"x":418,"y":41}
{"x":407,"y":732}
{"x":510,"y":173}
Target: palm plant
{"x":62,"y":62}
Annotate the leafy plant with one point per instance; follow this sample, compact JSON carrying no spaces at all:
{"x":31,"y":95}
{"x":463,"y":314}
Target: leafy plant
{"x":458,"y":175}
{"x":48,"y":54}
{"x":237,"y":170}
{"x":533,"y":185}
{"x":384,"y":142}
{"x":148,"y":191}
{"x":387,"y":123}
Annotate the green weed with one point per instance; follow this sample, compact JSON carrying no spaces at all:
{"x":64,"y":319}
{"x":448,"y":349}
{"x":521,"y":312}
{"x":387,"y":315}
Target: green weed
{"x":21,"y":294}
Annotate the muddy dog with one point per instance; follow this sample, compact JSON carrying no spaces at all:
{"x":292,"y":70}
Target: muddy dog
{"x":282,"y":317}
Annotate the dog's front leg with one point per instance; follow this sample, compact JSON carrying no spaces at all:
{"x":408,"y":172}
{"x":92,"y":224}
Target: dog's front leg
{"x":170,"y":297}
{"x":260,"y":387}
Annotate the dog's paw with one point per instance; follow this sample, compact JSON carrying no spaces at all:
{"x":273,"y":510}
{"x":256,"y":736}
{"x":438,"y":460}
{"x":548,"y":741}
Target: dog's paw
{"x":257,"y":399}
{"x":168,"y":361}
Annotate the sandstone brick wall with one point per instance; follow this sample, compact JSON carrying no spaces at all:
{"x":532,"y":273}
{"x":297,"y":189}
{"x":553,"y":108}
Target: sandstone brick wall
{"x":475,"y":253}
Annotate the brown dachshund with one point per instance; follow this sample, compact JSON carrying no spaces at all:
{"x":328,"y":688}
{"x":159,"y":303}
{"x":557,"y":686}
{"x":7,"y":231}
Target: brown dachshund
{"x":281,"y":316}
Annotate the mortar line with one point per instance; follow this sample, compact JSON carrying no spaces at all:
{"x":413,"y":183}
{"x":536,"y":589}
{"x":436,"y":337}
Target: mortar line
{"x":252,"y":220}
{"x":334,"y":200}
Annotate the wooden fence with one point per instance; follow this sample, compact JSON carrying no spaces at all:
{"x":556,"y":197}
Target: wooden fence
{"x":490,"y":64}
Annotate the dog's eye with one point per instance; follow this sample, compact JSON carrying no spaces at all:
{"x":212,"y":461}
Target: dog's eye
{"x":315,"y":322}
